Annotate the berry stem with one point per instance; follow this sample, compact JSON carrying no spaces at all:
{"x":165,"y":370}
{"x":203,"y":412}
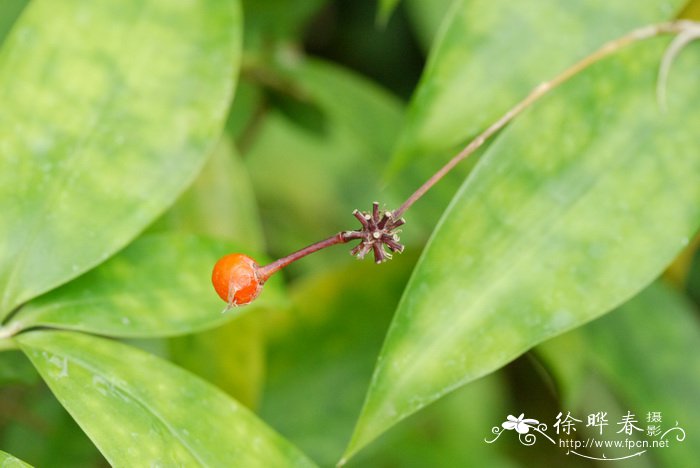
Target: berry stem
{"x":375,"y":233}
{"x":341,"y":238}
{"x":646,"y":32}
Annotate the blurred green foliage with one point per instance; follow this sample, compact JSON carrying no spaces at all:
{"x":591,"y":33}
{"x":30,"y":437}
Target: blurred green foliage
{"x":128,"y":166}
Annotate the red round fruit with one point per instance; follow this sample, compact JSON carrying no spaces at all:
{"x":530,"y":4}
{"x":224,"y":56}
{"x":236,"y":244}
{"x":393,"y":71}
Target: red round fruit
{"x":235,"y":279}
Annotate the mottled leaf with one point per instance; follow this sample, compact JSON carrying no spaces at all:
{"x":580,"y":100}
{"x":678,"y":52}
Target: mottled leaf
{"x":577,"y":206}
{"x":109,"y":109}
{"x":158,"y":286}
{"x":142,"y":411}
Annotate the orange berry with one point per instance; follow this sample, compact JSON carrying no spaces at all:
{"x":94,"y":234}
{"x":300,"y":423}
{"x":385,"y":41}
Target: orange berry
{"x":235,"y":279}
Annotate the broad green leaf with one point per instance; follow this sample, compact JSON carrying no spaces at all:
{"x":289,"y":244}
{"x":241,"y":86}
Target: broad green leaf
{"x":578,"y":205}
{"x":109,"y":109}
{"x":643,"y":351}
{"x":220,"y":203}
{"x":231,"y":356}
{"x":158,"y":286}
{"x":8,"y":461}
{"x":140,"y":410}
{"x":321,"y":352}
{"x":491,"y":53}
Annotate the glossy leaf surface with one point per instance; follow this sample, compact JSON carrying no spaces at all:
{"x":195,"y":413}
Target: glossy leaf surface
{"x":158,"y":286}
{"x":577,"y":206}
{"x":140,"y":410}
{"x":109,"y":110}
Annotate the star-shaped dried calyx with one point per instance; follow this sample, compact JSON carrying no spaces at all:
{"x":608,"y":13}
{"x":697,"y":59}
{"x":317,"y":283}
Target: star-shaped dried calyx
{"x":378,"y":234}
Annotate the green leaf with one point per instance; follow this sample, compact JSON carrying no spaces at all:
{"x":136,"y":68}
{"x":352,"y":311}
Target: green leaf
{"x":642,"y":350}
{"x":578,"y":205}
{"x":490,"y":53}
{"x":158,"y":286}
{"x":142,"y":411}
{"x":8,"y":461}
{"x":109,"y":109}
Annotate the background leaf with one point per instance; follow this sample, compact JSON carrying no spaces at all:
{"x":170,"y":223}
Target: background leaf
{"x":658,"y":320}
{"x":220,"y":203}
{"x":427,"y":16}
{"x":327,"y":146}
{"x":14,"y":369}
{"x":324,"y":347}
{"x":555,"y":227}
{"x":662,"y":322}
{"x":386,"y":8}
{"x":36,"y":428}
{"x":158,"y":286}
{"x":107,"y":385}
{"x":449,"y":433}
{"x":268,"y":21}
{"x":231,"y":356}
{"x":9,"y":11}
{"x":108,"y":111}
